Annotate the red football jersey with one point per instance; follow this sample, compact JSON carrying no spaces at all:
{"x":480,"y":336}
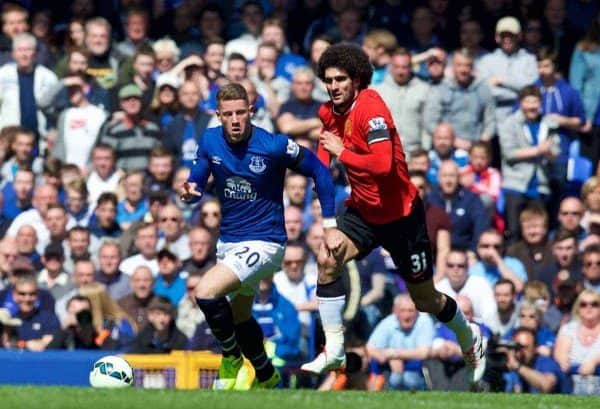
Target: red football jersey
{"x":379,"y":198}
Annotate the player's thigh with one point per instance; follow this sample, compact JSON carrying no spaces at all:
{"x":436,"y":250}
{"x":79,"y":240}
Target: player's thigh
{"x":251,"y":261}
{"x":408,"y":244}
{"x":218,"y":281}
{"x":360,"y":238}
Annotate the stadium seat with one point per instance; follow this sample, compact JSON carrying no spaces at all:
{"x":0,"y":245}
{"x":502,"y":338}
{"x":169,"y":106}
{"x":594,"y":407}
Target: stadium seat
{"x":579,"y":168}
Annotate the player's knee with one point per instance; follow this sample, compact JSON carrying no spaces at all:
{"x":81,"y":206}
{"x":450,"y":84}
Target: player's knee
{"x":426,"y":304}
{"x":206,"y":291}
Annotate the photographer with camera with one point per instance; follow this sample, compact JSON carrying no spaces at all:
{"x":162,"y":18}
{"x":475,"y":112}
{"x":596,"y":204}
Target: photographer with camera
{"x":526,"y":371}
{"x":79,"y":331}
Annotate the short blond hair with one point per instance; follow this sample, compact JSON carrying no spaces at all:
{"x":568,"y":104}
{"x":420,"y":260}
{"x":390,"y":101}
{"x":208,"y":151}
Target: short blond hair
{"x":381,"y":38}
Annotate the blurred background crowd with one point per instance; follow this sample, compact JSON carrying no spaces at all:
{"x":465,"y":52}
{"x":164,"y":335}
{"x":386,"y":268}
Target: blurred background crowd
{"x":497,"y":103}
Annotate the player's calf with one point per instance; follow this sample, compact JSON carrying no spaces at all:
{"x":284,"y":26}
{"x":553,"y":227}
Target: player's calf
{"x":250,"y":338}
{"x":220,"y":320}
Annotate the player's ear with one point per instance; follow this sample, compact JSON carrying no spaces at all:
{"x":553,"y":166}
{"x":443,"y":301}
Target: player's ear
{"x":251,"y":109}
{"x":218,"y":114}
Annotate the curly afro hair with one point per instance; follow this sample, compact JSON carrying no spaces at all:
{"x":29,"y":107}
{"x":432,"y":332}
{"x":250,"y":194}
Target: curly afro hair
{"x":349,"y":58}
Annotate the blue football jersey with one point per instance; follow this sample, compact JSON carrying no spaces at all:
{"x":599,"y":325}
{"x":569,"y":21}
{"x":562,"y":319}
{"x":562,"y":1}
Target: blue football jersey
{"x":249,"y":181}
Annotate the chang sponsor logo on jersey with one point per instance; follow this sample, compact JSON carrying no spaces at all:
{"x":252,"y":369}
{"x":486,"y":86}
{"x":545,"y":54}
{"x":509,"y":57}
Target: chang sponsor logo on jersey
{"x":238,"y":188}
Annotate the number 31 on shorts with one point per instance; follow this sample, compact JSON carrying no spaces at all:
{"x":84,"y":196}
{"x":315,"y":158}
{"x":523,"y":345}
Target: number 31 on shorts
{"x":418,"y":262}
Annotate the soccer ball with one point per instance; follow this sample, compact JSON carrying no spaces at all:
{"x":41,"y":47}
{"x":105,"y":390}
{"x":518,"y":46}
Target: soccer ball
{"x":111,"y":372}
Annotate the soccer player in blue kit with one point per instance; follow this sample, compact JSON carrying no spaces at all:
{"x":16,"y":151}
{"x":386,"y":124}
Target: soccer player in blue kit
{"x":248,"y":165}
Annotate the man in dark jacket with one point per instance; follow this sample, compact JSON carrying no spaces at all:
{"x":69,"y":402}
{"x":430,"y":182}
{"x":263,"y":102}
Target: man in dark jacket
{"x":468,"y":215}
{"x":160,"y":336}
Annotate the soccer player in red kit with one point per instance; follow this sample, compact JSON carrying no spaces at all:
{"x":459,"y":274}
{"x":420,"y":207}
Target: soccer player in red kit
{"x":384,"y":209}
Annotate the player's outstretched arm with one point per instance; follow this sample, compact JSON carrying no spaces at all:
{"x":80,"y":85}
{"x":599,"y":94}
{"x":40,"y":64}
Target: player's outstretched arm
{"x":193,"y":187}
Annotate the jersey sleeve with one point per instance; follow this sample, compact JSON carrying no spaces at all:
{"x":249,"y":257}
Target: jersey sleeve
{"x":374,"y":124}
{"x":200,"y":170}
{"x":303,"y":161}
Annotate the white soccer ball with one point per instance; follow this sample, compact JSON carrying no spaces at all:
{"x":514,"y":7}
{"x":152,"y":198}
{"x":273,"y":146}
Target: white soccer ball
{"x":111,"y":372}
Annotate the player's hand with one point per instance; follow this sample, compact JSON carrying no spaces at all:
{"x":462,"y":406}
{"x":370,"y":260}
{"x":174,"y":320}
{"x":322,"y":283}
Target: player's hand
{"x":189,"y":191}
{"x":331,"y":142}
{"x":333,"y":240}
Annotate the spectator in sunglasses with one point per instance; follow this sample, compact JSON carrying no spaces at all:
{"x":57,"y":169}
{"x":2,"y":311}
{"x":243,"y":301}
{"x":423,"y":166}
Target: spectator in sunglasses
{"x":591,"y":267}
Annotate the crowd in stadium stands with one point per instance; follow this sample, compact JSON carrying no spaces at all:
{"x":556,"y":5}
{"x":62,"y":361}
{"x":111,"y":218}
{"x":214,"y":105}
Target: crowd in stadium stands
{"x":497,"y":103}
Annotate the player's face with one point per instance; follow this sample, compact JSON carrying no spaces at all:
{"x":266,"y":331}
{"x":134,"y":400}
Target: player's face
{"x":235,"y":118}
{"x":341,"y":88}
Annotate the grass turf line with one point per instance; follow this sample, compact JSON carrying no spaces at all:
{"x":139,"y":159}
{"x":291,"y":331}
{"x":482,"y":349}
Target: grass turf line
{"x":87,"y":398}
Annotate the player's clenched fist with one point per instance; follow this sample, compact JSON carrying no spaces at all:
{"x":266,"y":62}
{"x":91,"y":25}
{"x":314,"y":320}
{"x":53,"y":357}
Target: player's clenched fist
{"x":331,"y":142}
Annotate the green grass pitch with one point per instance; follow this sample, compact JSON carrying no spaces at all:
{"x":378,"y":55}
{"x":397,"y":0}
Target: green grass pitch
{"x":87,"y":398}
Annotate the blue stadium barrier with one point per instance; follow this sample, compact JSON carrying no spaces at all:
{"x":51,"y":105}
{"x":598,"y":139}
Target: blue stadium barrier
{"x":68,"y":368}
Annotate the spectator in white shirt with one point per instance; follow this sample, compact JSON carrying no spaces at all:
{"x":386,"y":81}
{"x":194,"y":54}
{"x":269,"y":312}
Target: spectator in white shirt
{"x":78,"y":128}
{"x":104,"y":177}
{"x":146,"y":238}
{"x":458,"y":282}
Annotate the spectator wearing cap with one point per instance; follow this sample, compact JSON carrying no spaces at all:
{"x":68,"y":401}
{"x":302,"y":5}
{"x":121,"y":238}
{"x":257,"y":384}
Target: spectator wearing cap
{"x":160,"y":336}
{"x":508,"y":68}
{"x":414,"y":107}
{"x":53,"y":277}
{"x":109,"y":259}
{"x":136,"y":303}
{"x":38,"y":324}
{"x":169,"y":283}
{"x":132,"y":137}
{"x":172,"y":230}
{"x":164,"y":105}
{"x":183,"y":133}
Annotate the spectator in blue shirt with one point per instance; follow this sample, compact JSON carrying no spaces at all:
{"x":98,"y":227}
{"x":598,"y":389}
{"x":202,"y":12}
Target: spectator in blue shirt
{"x":468,"y":216}
{"x":530,"y":372}
{"x":169,"y":283}
{"x":530,"y":316}
{"x":562,"y":103}
{"x":443,"y":148}
{"x":134,"y":207}
{"x":402,"y":341}
{"x":18,"y":193}
{"x":38,"y":324}
{"x":493,"y":264}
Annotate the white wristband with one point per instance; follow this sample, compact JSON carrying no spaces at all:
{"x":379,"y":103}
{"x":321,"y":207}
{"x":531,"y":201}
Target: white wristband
{"x":329,"y":222}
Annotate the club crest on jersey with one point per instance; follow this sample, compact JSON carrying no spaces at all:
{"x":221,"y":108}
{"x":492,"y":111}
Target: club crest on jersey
{"x":257,"y":164}
{"x":377,"y":124}
{"x":348,"y":127}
